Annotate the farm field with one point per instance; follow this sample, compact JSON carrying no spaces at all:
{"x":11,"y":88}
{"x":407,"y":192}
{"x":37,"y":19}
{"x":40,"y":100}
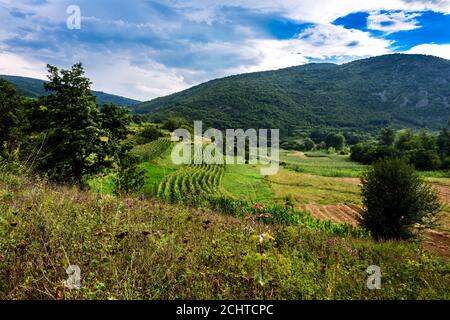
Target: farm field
{"x":333,"y":165}
{"x":246,"y":182}
{"x":191,"y":181}
{"x":321,"y":163}
{"x":325,"y":186}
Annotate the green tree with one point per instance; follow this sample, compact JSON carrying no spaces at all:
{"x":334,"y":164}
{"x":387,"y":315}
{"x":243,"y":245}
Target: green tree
{"x":335,"y":140}
{"x":404,"y":140}
{"x":308,"y":144}
{"x":396,"y":199}
{"x":116,"y":121}
{"x":148,"y":134}
{"x":386,"y":137}
{"x":76,"y":139}
{"x":443,"y":142}
{"x":11,"y":117}
{"x":130,"y":177}
{"x":425,"y":159}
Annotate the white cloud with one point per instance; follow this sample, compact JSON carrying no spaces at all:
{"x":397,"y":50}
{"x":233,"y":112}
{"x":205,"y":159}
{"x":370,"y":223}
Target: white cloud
{"x":13,"y":64}
{"x":393,"y":21}
{"x":325,"y":40}
{"x":319,"y":42}
{"x":438,"y":50}
{"x":323,"y":11}
{"x":143,"y":82}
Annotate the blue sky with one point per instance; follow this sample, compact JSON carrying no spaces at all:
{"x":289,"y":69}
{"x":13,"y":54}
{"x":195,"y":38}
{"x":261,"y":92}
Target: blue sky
{"x":144,"y":49}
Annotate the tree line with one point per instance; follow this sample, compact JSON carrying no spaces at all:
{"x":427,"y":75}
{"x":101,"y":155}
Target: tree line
{"x":424,"y":150}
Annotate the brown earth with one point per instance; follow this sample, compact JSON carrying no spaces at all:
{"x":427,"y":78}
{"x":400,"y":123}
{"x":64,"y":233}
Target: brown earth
{"x":435,"y":241}
{"x":443,"y":189}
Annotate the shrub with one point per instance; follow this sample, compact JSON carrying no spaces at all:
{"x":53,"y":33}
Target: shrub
{"x":130,"y":178}
{"x":396,"y":199}
{"x":148,"y":134}
{"x":425,"y":159}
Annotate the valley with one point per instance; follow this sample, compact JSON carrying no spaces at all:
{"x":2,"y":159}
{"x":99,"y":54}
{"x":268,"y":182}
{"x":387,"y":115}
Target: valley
{"x":327,"y":187}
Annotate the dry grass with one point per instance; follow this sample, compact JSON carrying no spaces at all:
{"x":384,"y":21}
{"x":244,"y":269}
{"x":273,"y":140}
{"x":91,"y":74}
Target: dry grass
{"x":313,"y":189}
{"x":132,"y":249}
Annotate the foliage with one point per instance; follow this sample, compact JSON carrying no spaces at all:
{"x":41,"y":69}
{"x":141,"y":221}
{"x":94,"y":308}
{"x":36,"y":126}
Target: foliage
{"x":73,"y":137}
{"x":424,"y":150}
{"x":11,"y":120}
{"x":396,"y":199}
{"x":148,"y":134}
{"x":336,"y":141}
{"x":130,"y":177}
{"x":386,"y":137}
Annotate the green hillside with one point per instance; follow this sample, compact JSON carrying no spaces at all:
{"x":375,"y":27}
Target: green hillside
{"x":34,"y":88}
{"x":399,"y":90}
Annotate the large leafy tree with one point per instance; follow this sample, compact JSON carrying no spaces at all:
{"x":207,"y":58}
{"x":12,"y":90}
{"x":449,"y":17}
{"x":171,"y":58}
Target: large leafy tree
{"x":76,"y":138}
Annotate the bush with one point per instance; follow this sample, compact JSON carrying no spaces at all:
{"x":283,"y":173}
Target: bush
{"x":425,"y":159}
{"x":130,"y":178}
{"x":396,"y":199}
{"x":148,"y":134}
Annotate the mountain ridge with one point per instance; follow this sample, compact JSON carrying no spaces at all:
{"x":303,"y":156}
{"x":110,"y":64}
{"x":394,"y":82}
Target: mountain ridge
{"x":33,"y":88}
{"x":398,"y":89}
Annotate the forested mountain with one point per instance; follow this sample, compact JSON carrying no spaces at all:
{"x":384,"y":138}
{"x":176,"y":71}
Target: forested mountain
{"x":392,"y":90}
{"x":34,"y":88}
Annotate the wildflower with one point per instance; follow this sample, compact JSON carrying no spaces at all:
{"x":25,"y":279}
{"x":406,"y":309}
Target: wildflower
{"x":258,"y":206}
{"x":263,"y":237}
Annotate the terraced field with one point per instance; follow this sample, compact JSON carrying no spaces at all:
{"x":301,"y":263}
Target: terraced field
{"x":152,"y":150}
{"x":190,"y":181}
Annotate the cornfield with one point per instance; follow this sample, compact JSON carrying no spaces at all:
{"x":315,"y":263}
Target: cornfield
{"x":190,"y":181}
{"x":152,"y":150}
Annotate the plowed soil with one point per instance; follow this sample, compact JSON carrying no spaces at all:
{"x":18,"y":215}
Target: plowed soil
{"x":435,"y":241}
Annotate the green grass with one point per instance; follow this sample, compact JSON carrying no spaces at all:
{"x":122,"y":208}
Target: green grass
{"x":103,"y":184}
{"x":132,"y":249}
{"x":321,"y":164}
{"x":435,"y":174}
{"x":246,"y":182}
{"x":154,"y":175}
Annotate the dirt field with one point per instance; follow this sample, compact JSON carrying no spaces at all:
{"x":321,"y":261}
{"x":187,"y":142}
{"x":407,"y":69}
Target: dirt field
{"x":436,"y":240}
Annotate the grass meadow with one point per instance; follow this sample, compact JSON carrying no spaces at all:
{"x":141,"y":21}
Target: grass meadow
{"x":133,"y":249}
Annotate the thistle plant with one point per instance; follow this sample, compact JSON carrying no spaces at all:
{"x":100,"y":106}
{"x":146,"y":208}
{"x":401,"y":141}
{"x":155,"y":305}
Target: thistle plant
{"x":262,"y":239}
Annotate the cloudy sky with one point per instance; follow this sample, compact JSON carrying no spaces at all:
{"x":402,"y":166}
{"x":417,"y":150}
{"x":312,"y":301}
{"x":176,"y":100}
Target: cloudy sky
{"x":144,"y":48}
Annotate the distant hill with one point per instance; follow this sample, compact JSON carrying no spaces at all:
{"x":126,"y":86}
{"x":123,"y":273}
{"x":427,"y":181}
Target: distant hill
{"x":34,"y":88}
{"x":398,"y":90}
